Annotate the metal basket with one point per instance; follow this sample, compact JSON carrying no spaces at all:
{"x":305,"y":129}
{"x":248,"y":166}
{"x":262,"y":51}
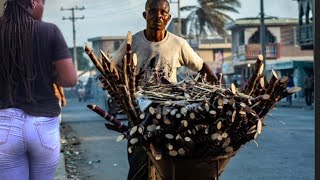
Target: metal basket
{"x":191,"y":168}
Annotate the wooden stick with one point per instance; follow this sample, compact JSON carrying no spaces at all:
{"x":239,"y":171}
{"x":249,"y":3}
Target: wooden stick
{"x":290,"y":92}
{"x":273,"y":79}
{"x":132,"y":82}
{"x":125,"y":79}
{"x":94,"y":59}
{"x":108,"y":117}
{"x":113,"y":127}
{"x":254,"y":78}
{"x":113,"y":91}
{"x":114,"y":71}
{"x":105,"y":58}
{"x":129,"y":50}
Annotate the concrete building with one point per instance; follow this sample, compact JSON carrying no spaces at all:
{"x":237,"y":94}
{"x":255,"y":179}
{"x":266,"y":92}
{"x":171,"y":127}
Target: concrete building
{"x":305,"y":28}
{"x":214,"y":52}
{"x":108,"y":44}
{"x":173,"y":26}
{"x":283,"y":53}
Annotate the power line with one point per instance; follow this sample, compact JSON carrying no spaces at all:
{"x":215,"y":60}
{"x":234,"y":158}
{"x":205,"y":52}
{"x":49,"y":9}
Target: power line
{"x":73,"y":19}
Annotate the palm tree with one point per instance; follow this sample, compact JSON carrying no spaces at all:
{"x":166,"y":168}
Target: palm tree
{"x":210,"y":17}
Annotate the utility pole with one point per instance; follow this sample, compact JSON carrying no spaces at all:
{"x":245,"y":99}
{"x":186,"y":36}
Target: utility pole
{"x":73,"y":19}
{"x":179,"y":17}
{"x":262,"y":37}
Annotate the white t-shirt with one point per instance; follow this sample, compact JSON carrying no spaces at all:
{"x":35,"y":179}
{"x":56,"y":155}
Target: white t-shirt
{"x":172,"y":52}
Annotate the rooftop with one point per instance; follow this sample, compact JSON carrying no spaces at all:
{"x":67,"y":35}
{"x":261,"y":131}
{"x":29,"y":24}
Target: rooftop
{"x":110,"y":38}
{"x":254,"y":22}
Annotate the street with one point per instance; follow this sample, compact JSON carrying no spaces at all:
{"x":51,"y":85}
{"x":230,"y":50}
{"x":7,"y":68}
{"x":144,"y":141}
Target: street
{"x":285,"y":148}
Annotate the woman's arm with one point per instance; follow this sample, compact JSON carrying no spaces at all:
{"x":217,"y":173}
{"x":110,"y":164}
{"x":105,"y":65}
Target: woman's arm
{"x":66,"y":75}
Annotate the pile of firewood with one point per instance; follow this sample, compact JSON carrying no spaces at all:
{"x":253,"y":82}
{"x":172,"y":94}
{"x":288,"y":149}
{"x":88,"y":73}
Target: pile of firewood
{"x":190,"y":119}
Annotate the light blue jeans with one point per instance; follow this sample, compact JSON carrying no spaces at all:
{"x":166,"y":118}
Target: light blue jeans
{"x":29,"y":146}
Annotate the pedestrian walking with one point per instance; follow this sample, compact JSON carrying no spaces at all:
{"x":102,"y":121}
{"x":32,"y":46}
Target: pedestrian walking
{"x":308,"y":89}
{"x":33,"y":56}
{"x":88,"y":89}
{"x":80,"y":88}
{"x":290,"y":85}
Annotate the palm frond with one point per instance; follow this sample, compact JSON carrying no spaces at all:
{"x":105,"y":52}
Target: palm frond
{"x":211,"y":15}
{"x":189,"y":8}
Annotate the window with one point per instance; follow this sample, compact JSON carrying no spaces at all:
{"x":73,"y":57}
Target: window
{"x":116,"y":45}
{"x":255,"y":38}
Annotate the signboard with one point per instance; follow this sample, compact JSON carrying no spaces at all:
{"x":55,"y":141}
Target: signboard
{"x":280,"y":65}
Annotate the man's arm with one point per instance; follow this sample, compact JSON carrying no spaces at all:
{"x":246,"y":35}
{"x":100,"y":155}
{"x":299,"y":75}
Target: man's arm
{"x":211,"y":76}
{"x":196,"y":63}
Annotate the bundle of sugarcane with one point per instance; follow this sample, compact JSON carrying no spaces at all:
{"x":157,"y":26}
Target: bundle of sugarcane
{"x":194,"y":119}
{"x":190,"y":119}
{"x":181,"y":124}
{"x":121,"y":84}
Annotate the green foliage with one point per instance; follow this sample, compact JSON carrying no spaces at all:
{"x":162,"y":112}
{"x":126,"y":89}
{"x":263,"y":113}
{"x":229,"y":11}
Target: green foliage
{"x":83,"y":61}
{"x":210,"y":15}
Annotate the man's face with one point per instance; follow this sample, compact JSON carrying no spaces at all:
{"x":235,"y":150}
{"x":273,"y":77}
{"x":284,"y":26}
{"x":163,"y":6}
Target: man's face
{"x":157,"y":15}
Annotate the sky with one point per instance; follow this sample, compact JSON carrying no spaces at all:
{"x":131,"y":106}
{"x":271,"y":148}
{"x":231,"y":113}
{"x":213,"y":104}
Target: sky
{"x":117,"y":17}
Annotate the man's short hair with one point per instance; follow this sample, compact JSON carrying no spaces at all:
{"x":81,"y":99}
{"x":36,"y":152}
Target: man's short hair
{"x":149,"y":1}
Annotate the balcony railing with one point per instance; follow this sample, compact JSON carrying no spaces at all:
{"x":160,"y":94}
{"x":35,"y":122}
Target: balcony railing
{"x":305,"y":35}
{"x":251,"y":51}
{"x":215,"y":41}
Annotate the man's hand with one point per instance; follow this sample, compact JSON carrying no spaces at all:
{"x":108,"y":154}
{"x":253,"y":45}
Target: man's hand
{"x":211,"y":76}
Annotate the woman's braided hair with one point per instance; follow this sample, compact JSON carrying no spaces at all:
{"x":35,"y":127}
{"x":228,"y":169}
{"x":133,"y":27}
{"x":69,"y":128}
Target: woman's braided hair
{"x":17,"y":61}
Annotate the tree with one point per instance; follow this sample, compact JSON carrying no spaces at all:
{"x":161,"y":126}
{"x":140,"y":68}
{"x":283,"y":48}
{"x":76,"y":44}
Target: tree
{"x":83,"y":62}
{"x":210,"y":16}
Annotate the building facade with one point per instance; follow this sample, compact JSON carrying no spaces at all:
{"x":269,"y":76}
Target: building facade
{"x":305,"y":29}
{"x":108,"y":44}
{"x":215,"y":52}
{"x":283,"y":53}
{"x":173,"y":26}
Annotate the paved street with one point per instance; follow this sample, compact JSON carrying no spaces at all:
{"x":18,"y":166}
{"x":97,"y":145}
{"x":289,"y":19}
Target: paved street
{"x":285,"y":151}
